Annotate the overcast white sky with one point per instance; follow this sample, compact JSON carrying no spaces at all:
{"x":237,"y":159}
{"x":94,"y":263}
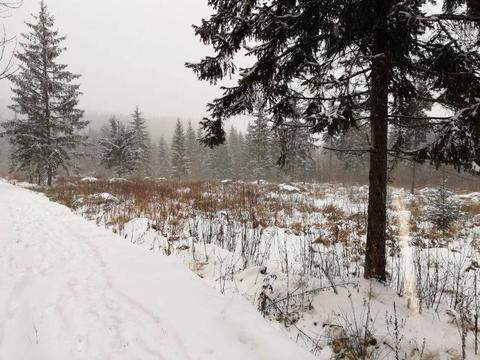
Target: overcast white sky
{"x":129,"y":53}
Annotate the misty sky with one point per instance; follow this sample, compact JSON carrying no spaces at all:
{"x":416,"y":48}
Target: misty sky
{"x":128,"y":53}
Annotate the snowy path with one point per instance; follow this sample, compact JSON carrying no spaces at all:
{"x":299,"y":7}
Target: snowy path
{"x":407,"y":254}
{"x":70,"y":290}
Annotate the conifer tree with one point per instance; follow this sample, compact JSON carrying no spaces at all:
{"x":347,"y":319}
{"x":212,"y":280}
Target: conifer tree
{"x":219,"y":162}
{"x":117,"y":148}
{"x":296,"y":147}
{"x":179,"y":160}
{"x":351,"y":148}
{"x":192,"y":150}
{"x":200,"y":166}
{"x":91,"y":149}
{"x":235,"y":146}
{"x":45,"y":132}
{"x":442,"y":209}
{"x":345,"y":62}
{"x":259,"y":148}
{"x":412,"y":132}
{"x":142,"y":146}
{"x":163,"y":158}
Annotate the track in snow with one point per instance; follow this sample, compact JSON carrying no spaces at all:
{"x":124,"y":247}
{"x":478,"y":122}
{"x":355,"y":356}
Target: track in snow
{"x":70,"y":290}
{"x":407,"y":254}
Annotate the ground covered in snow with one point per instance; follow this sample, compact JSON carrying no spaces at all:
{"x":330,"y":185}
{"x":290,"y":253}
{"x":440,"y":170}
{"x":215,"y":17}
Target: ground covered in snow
{"x":295,"y":253}
{"x":72,"y":290}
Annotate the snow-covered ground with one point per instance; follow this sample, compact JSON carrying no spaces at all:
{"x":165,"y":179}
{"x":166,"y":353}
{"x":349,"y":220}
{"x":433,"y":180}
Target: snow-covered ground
{"x":71,"y":290}
{"x":296,"y":257}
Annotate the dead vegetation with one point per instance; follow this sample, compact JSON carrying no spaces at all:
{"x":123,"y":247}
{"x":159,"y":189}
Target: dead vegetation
{"x":162,"y":200}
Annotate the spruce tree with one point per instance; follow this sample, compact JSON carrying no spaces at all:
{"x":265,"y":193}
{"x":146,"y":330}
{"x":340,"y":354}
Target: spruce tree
{"x":163,"y":159}
{"x":117,"y":148}
{"x":442,"y":209}
{"x":201,"y":161}
{"x":235,"y":147}
{"x":142,"y":146}
{"x":259,"y":148}
{"x":179,"y":160}
{"x":347,"y":61}
{"x":45,"y":132}
{"x":219,"y":162}
{"x":296,"y":147}
{"x":91,"y":149}
{"x":192,"y":146}
{"x":351,"y":148}
{"x":412,"y":132}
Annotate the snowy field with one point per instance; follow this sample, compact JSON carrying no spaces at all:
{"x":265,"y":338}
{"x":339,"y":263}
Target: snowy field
{"x":71,"y":290}
{"x":292,"y":253}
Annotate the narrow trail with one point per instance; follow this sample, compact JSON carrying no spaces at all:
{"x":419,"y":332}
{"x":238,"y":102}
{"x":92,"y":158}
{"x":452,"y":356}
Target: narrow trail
{"x":407,"y":253}
{"x":70,"y":290}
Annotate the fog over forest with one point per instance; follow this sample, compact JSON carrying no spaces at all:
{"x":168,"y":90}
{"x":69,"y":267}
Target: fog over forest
{"x":124,"y":53}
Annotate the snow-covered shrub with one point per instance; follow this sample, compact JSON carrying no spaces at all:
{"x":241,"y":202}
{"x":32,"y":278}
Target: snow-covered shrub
{"x":442,"y":209}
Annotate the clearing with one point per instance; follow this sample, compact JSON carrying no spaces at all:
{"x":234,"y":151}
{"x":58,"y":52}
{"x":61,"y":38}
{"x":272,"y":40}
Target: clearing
{"x":72,"y":290}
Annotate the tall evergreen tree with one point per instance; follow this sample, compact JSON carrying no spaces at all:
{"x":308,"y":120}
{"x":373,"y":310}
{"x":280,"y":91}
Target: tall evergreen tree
{"x":91,"y":149}
{"x":45,"y":133}
{"x":235,"y":146}
{"x":219,"y":162}
{"x":163,"y":158}
{"x":259,"y":148}
{"x":142,"y":146}
{"x":179,"y":159}
{"x":117,"y":148}
{"x":346,"y":61}
{"x":351,"y":148}
{"x":192,"y":147}
{"x":442,"y":209}
{"x":412,"y":132}
{"x":296,"y":146}
{"x":200,"y":164}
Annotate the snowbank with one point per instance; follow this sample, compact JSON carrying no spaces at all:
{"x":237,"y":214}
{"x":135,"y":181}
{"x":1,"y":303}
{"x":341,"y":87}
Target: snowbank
{"x":89,"y":179}
{"x":288,"y":188}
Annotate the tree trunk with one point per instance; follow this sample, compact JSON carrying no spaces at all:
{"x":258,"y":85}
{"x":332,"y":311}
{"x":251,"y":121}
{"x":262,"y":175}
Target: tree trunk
{"x":375,"y":258}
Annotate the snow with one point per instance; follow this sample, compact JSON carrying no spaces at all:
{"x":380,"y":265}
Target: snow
{"x":117,"y":180}
{"x":26,"y":185}
{"x":476,"y":167}
{"x":407,"y":255}
{"x":474,"y":196}
{"x":89,"y":179}
{"x":71,"y":290}
{"x":184,"y":190}
{"x":104,"y":197}
{"x":288,"y":188}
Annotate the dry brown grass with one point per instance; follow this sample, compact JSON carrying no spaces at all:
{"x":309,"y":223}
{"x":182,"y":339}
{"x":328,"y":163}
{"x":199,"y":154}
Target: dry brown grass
{"x":471,"y":207}
{"x":177,"y":202}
